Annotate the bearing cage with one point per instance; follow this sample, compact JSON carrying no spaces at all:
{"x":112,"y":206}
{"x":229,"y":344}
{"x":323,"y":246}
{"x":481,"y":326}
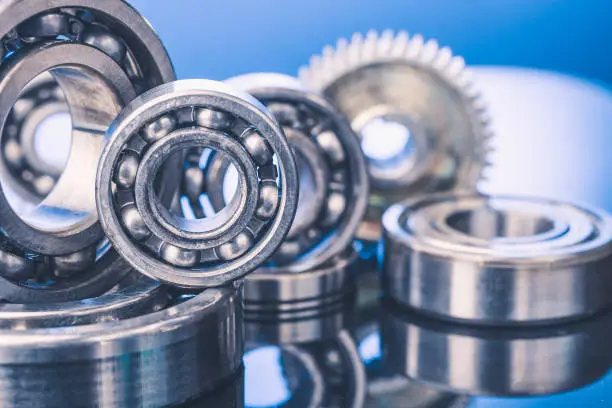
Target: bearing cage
{"x":201,"y":110}
{"x":113,"y":29}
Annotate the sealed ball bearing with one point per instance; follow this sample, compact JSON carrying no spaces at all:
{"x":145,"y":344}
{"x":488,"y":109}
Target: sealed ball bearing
{"x":422,"y":124}
{"x":133,"y":347}
{"x":101,"y":54}
{"x":505,"y":361}
{"x":171,"y":120}
{"x":331,"y":169}
{"x":498,"y":260}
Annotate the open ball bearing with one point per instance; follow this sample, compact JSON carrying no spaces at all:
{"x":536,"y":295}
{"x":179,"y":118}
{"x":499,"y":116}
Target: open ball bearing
{"x":101,"y":53}
{"x":135,"y":346}
{"x":331,"y":168}
{"x":189,"y":252}
{"x":498,"y":260}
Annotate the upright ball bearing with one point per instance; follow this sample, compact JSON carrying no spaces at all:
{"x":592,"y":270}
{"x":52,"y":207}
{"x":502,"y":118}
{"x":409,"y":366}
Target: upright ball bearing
{"x":174,"y":119}
{"x":101,"y":54}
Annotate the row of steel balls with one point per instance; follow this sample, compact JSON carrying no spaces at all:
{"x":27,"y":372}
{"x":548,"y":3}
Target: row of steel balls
{"x":197,"y":184}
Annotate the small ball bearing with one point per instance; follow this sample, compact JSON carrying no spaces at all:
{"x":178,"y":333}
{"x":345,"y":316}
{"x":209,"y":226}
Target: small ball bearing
{"x":331,"y":167}
{"x":177,"y":119}
{"x":88,"y":58}
{"x":498,"y":260}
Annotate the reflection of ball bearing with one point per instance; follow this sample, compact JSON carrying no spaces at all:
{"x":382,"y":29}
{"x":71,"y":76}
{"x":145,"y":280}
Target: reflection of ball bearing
{"x":331,"y":168}
{"x":498,"y":260}
{"x":124,"y":348}
{"x":42,"y":99}
{"x":179,"y":117}
{"x":101,"y":53}
{"x":504,"y":361}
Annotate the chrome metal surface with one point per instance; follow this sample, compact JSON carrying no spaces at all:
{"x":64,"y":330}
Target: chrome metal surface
{"x":105,"y":353}
{"x":332,"y":171}
{"x":196,"y":252}
{"x":386,"y":388}
{"x":287,"y":307}
{"x":101,"y":53}
{"x":423,"y":125}
{"x":496,"y":361}
{"x":498,"y":260}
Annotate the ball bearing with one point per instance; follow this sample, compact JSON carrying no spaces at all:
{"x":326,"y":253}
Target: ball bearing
{"x":100,"y":54}
{"x":139,"y":340}
{"x":187,"y":251}
{"x":331,"y":168}
{"x":497,"y":260}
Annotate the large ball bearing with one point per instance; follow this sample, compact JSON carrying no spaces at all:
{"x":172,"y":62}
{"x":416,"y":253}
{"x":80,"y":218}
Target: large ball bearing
{"x":127,"y":347}
{"x":331,"y":168}
{"x":100,"y":54}
{"x":175,"y":119}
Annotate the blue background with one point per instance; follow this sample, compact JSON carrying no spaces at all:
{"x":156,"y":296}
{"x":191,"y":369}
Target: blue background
{"x":219,"y":39}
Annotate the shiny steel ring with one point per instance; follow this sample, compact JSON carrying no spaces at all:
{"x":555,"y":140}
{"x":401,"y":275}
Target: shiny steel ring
{"x":331,"y":166}
{"x":505,"y":361}
{"x":287,"y":307}
{"x":498,"y":260}
{"x":183,"y":251}
{"x":190,"y":347}
{"x":101,"y":53}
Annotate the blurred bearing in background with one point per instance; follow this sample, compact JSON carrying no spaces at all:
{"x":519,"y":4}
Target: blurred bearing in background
{"x":186,"y":250}
{"x":498,"y":260}
{"x":88,"y":58}
{"x":331,"y":169}
{"x":422,"y":124}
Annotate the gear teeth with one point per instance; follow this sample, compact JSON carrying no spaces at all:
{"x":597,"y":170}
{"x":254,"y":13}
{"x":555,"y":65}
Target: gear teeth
{"x":349,"y":56}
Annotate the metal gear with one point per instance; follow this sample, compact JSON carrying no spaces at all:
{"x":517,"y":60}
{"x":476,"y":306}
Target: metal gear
{"x":52,"y":246}
{"x":403,"y":90}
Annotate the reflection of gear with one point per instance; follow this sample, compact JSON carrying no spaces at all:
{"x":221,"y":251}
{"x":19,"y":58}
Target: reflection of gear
{"x":406,"y":83}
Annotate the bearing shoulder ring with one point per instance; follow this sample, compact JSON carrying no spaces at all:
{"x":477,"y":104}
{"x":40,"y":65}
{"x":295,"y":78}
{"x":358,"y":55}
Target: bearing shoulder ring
{"x":150,"y":344}
{"x":331,"y":166}
{"x":53,"y":246}
{"x":189,"y":252}
{"x":506,"y":260}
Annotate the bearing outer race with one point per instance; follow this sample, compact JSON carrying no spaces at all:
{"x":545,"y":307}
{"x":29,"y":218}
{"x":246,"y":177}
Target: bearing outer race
{"x":456,"y":282}
{"x":174,"y":96}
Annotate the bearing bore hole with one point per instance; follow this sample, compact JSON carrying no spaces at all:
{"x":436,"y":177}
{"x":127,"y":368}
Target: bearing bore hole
{"x":386,"y":141}
{"x":200,"y":209}
{"x":287,"y":378}
{"x":52,"y":140}
{"x":491,"y":223}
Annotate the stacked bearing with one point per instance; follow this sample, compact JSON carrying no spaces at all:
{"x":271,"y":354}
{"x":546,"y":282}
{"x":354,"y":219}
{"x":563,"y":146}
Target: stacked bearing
{"x":534,"y":271}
